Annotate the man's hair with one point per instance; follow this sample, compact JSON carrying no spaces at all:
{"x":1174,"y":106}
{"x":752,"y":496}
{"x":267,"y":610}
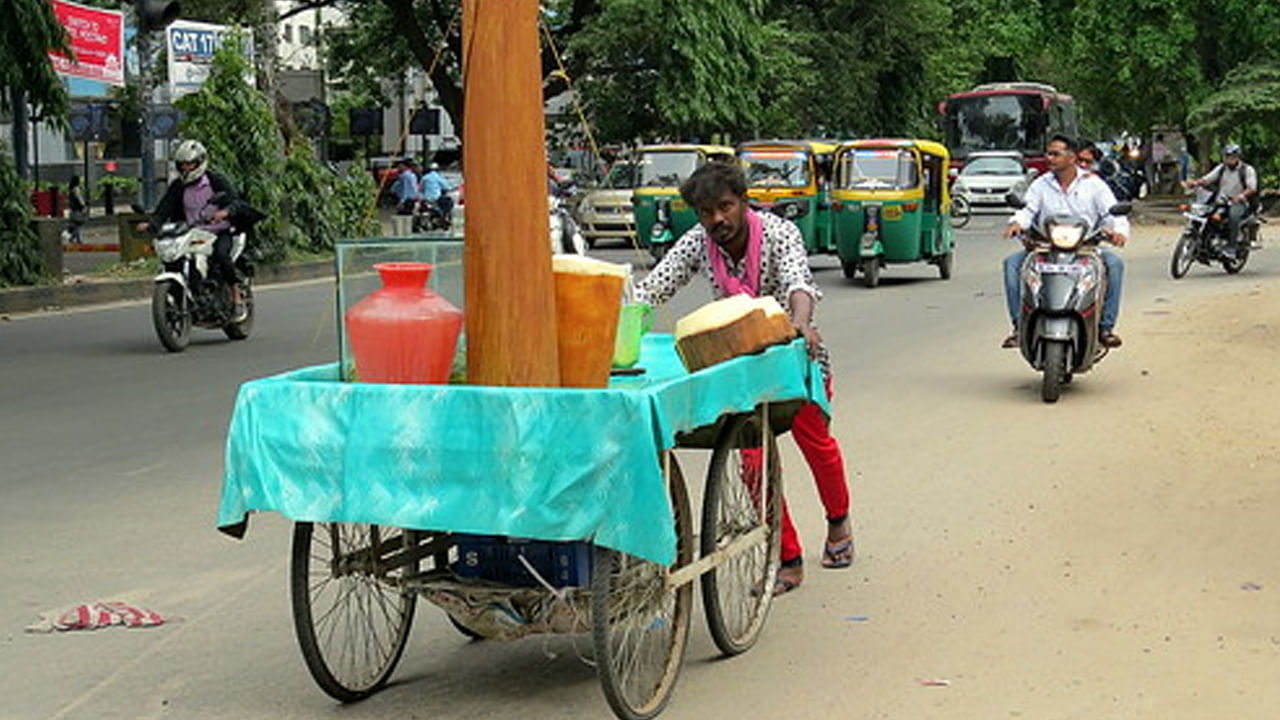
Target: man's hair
{"x":1071,"y":144}
{"x":1091,"y":147}
{"x":708,"y":183}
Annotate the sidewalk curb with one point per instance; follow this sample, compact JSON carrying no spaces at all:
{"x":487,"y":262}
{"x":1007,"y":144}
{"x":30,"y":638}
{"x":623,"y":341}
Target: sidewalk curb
{"x":57,"y":297}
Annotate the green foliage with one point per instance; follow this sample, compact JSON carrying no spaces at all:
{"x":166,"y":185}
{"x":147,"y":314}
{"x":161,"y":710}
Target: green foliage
{"x":321,"y":205}
{"x":119,"y":184}
{"x":20,"y":262}
{"x":28,"y":30}
{"x":307,"y":206}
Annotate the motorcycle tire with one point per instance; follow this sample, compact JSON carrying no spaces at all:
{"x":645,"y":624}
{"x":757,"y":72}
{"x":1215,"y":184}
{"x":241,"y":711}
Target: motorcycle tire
{"x":1055,"y":369}
{"x":1184,"y":254}
{"x":240,"y":330}
{"x":1235,"y":264}
{"x":871,"y":272}
{"x":170,"y":317}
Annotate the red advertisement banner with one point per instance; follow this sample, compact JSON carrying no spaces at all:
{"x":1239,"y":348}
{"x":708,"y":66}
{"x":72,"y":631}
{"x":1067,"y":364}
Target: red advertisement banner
{"x":97,"y":39}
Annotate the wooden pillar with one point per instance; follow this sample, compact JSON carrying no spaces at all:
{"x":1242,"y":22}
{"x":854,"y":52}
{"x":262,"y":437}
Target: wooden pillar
{"x":510,"y":303}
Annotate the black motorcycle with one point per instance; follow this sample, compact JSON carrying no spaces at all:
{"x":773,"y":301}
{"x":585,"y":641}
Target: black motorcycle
{"x":1207,"y":237}
{"x":1125,"y":178}
{"x":433,"y":215}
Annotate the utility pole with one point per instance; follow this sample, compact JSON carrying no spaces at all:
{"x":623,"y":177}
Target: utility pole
{"x":152,"y":15}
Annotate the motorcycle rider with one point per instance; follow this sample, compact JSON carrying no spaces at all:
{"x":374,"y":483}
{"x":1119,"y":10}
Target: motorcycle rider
{"x":188,"y":199}
{"x":1067,"y":189}
{"x":405,"y":187}
{"x":435,"y":190}
{"x":1236,"y":181}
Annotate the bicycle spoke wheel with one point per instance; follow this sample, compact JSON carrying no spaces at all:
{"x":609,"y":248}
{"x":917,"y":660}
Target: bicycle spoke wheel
{"x":641,"y":626}
{"x":740,"y":515}
{"x":350,"y":610}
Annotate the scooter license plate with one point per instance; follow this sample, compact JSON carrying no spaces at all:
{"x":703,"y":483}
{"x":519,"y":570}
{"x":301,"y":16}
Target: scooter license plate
{"x":1055,"y":269}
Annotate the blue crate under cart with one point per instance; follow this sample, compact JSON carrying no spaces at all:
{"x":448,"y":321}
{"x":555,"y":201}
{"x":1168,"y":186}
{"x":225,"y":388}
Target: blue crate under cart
{"x":497,"y":558}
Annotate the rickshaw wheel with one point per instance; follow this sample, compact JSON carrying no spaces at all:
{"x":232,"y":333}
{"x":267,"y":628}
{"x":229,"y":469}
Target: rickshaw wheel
{"x":641,"y":626}
{"x":351,"y":612}
{"x":944,"y":264}
{"x":737,"y":593}
{"x":849,"y":268}
{"x":871,"y":272}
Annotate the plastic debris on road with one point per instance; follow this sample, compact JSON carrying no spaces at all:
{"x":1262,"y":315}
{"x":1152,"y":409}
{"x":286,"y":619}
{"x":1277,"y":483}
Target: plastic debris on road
{"x":933,"y":682}
{"x":92,"y":616}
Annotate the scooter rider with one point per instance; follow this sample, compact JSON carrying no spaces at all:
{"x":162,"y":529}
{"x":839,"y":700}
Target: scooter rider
{"x":189,"y":199}
{"x":436,"y":189}
{"x":1071,"y":190}
{"x":1236,"y":181}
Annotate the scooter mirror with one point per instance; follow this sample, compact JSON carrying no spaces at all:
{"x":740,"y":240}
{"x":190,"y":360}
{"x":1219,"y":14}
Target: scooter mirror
{"x":1014,"y":201}
{"x":1121,"y":208}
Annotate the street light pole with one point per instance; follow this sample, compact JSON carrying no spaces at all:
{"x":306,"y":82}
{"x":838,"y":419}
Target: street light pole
{"x":148,"y":141}
{"x":153,"y":15}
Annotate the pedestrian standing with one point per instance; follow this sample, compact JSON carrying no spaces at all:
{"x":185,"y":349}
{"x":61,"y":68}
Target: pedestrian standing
{"x":78,"y":210}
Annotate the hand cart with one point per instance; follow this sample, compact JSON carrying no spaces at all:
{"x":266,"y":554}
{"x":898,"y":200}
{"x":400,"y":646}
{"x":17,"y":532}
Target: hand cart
{"x":389,"y":487}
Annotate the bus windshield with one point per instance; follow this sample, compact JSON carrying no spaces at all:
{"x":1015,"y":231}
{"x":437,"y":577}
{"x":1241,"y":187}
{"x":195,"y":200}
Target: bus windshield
{"x":776,"y":168}
{"x":866,"y":169}
{"x":995,"y":122}
{"x":667,"y":168}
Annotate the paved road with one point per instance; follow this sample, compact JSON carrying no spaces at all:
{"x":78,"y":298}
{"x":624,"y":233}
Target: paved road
{"x":112,"y":454}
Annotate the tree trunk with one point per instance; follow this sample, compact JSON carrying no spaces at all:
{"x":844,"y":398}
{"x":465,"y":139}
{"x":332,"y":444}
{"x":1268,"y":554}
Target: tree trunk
{"x":510,"y":293}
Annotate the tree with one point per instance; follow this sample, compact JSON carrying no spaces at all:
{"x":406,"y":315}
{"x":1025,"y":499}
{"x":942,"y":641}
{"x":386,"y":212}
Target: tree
{"x":28,"y":30}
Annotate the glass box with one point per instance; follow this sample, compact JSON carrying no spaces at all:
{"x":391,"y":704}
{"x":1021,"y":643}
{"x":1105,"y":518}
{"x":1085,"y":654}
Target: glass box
{"x":356,"y":257}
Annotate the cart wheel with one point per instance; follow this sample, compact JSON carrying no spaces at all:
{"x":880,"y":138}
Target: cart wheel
{"x":641,"y":626}
{"x":350,"y":609}
{"x":737,"y":593}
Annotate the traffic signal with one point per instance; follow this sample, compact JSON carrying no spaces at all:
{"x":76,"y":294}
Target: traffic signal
{"x":155,"y":14}
{"x":365,"y":121}
{"x":425,"y":121}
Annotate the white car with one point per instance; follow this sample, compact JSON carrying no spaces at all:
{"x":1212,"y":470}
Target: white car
{"x":988,"y":176}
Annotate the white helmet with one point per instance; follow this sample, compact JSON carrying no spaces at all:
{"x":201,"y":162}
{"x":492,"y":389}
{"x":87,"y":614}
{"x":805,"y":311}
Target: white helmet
{"x":191,"y":151}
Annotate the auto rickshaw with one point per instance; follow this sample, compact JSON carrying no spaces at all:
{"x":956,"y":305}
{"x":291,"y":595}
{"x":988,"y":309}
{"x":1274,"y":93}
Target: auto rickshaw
{"x":791,"y":178}
{"x":661,"y":215}
{"x":891,"y":205}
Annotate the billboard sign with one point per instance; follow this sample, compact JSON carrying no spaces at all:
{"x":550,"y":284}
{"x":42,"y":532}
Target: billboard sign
{"x":191,"y":47}
{"x":96,"y":38}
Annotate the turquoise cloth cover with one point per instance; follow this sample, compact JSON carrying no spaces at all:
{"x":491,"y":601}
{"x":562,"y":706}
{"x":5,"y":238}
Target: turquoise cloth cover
{"x":546,"y":463}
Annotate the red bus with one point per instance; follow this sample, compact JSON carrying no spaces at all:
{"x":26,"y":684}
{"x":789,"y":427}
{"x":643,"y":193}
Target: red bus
{"x":1007,"y":116}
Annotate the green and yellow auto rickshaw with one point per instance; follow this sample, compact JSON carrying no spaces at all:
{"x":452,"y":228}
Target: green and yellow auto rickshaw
{"x":791,"y":178}
{"x":661,"y":215}
{"x":891,"y":205}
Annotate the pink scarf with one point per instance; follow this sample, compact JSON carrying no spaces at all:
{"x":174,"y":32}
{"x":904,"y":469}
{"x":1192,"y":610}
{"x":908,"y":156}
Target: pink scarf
{"x":750,"y":283}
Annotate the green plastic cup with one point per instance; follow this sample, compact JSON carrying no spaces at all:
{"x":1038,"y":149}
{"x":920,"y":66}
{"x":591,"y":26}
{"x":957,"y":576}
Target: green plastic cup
{"x":633,"y":322}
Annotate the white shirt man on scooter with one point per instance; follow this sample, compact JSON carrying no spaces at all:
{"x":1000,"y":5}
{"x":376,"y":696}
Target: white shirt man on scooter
{"x":1071,"y":190}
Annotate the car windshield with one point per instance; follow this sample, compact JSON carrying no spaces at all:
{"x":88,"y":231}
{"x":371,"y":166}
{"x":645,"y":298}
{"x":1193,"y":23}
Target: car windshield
{"x":992,"y":166}
{"x":877,"y":170}
{"x":776,"y":168}
{"x":667,"y":169}
{"x":621,"y":176}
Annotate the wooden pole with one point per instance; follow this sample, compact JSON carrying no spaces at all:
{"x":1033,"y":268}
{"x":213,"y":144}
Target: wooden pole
{"x":510,"y":291}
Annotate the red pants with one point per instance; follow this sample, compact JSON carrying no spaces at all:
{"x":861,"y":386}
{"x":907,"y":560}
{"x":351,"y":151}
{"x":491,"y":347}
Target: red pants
{"x":812,"y":433}
{"x":813,"y":436}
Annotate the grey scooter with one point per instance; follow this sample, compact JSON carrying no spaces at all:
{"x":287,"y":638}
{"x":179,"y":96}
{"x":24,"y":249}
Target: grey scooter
{"x":1063,"y":283}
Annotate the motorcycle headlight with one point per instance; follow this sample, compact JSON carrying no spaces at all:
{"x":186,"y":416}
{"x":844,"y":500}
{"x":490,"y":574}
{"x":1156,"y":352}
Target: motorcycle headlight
{"x":1065,"y":237}
{"x":168,"y":249}
{"x":658,"y":228}
{"x":791,"y":211}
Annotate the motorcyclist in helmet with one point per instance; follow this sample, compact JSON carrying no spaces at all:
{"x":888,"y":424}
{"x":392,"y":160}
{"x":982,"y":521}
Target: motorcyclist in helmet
{"x":189,"y":199}
{"x":1236,"y":181}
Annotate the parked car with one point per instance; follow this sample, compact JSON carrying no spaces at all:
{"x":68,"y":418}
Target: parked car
{"x":988,"y":176}
{"x":605,"y":213}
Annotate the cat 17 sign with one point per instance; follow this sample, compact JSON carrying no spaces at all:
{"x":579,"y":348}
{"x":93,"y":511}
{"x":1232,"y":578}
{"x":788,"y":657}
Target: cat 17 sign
{"x":191,"y":47}
{"x":96,"y":38}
